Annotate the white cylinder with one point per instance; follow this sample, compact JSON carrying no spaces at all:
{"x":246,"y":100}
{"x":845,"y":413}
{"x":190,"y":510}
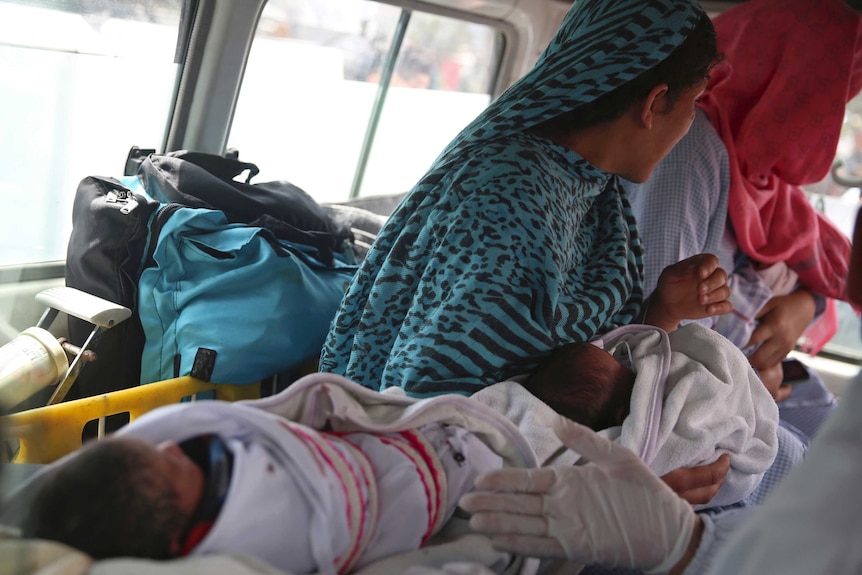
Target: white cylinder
{"x":29,"y":363}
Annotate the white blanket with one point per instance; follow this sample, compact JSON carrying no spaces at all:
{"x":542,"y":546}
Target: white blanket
{"x":533,"y":417}
{"x":695,"y":398}
{"x":326,"y":400}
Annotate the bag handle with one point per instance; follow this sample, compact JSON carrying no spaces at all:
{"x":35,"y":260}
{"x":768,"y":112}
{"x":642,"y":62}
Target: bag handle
{"x":323,"y":243}
{"x":219,"y":166}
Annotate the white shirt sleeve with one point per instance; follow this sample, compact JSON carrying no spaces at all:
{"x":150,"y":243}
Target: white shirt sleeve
{"x":811,"y":522}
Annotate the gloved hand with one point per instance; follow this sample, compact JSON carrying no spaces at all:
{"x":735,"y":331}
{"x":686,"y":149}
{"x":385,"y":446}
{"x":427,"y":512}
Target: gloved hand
{"x":613,"y":511}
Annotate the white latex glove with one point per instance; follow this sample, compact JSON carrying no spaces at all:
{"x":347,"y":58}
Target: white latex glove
{"x":613,"y":511}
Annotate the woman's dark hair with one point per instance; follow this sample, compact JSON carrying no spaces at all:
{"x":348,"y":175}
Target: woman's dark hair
{"x":687,"y":65}
{"x":106,"y":503}
{"x":577,"y":386}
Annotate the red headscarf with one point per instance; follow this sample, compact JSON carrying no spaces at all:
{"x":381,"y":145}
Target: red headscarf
{"x":778,"y":102}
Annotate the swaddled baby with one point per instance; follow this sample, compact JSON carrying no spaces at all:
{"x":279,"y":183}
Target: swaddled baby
{"x":212,"y":477}
{"x":678,"y":400}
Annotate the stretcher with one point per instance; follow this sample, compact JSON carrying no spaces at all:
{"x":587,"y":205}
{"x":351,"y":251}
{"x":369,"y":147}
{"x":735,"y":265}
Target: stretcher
{"x":36,"y":360}
{"x":324,"y":400}
{"x":45,"y":434}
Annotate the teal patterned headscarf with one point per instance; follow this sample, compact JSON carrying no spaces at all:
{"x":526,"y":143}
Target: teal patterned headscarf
{"x":586,"y":60}
{"x":510,"y":245}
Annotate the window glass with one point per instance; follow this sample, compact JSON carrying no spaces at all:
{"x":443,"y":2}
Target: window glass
{"x":312,"y":80}
{"x":839,"y":198}
{"x":80,"y":83}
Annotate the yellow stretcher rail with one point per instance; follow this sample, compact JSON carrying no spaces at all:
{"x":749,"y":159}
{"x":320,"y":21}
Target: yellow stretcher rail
{"x":47,"y":433}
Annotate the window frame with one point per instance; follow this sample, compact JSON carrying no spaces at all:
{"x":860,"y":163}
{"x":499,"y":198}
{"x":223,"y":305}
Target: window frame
{"x":220,"y":41}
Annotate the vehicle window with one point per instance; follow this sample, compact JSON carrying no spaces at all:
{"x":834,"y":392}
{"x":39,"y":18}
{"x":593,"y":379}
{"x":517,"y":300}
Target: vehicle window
{"x":307,"y":102}
{"x":839,"y":198}
{"x":81,"y":81}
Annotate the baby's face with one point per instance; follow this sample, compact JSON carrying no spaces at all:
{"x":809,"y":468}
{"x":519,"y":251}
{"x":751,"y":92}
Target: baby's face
{"x":181,"y":475}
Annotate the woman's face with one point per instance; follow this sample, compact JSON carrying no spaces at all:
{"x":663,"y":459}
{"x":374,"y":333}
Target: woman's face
{"x":681,"y":115}
{"x":670,"y":124}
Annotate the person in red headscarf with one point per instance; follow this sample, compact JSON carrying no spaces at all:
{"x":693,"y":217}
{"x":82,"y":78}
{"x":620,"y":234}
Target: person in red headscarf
{"x":769,"y":123}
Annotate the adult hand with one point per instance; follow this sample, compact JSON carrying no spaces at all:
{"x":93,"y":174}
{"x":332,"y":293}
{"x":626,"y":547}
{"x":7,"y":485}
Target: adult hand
{"x":772,"y":378}
{"x":693,"y":288}
{"x":780,"y":325}
{"x":698,"y":484}
{"x":612,"y":510}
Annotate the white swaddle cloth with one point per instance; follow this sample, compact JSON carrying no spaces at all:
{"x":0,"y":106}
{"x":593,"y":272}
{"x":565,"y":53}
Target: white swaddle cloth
{"x":312,"y":497}
{"x":380,"y":481}
{"x":699,"y":401}
{"x":695,"y":397}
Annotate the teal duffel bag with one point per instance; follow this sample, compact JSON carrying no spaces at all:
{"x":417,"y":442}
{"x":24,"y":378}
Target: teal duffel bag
{"x":230,"y":302}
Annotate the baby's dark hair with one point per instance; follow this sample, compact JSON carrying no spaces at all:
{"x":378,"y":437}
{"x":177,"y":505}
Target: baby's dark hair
{"x":575,"y":381}
{"x":106,"y":503}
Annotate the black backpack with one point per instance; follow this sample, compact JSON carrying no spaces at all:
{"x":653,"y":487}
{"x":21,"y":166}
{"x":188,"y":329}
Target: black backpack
{"x":109,"y":235}
{"x":198,"y":180}
{"x":111,"y":232}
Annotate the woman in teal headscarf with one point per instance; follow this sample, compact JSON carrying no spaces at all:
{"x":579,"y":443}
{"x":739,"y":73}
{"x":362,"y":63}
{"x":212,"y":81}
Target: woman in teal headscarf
{"x":520,"y":238}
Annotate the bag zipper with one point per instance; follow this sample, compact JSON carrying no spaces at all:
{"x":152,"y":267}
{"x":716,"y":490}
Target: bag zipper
{"x":158,"y":221}
{"x":125,"y":197}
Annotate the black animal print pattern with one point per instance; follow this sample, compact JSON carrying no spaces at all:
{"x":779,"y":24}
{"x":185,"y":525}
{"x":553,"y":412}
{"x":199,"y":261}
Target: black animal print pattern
{"x":510,"y":245}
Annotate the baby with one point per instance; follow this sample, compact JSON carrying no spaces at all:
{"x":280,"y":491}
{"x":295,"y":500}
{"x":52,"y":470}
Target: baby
{"x":213,"y":477}
{"x":688,"y":397}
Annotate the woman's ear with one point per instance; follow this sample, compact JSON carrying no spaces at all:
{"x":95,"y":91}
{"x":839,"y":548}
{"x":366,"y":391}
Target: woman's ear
{"x":653,"y":104}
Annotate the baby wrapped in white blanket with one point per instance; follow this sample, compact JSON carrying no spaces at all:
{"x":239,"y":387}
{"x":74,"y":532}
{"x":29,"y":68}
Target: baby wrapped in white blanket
{"x":695,"y":397}
{"x":325,"y":477}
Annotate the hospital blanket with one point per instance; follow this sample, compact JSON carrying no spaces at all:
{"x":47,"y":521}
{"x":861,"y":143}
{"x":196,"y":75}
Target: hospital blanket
{"x":533,"y":417}
{"x":695,"y":398}
{"x":328,"y":400}
{"x":33,"y":557}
